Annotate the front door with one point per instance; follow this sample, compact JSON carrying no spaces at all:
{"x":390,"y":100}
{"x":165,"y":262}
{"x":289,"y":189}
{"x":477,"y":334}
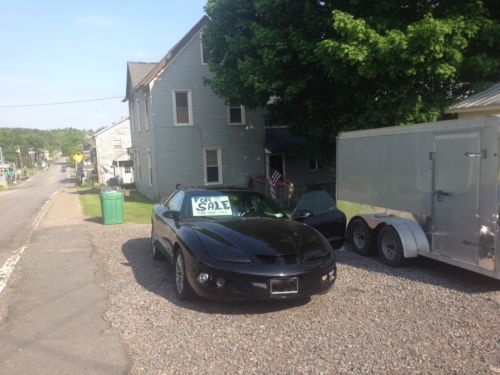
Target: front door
{"x":456,"y":196}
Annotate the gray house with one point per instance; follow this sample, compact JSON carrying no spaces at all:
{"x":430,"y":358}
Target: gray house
{"x":182,"y":133}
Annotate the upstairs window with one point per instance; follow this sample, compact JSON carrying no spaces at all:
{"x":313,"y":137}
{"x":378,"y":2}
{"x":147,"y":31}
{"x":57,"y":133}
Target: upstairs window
{"x":236,"y":114}
{"x":117,"y":143}
{"x":183,"y":112}
{"x":204,"y":51}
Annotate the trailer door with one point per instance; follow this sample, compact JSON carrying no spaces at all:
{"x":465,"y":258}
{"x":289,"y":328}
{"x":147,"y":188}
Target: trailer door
{"x":456,"y":196}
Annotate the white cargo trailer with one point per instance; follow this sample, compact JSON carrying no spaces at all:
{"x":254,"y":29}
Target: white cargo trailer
{"x":429,"y":189}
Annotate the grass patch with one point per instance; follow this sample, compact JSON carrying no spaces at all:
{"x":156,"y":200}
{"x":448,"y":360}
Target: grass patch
{"x":351,"y":209}
{"x":137,"y":208}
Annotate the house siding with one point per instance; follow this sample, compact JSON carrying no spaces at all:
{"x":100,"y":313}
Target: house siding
{"x":106,"y":152}
{"x":178,"y":150}
{"x":142,"y":140}
{"x":298,"y":172}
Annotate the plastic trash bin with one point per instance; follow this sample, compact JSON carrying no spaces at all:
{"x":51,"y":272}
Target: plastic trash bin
{"x":111,"y":206}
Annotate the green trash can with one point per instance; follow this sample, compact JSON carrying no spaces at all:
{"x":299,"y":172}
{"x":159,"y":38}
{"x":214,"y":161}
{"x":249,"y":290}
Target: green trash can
{"x":111,"y":206}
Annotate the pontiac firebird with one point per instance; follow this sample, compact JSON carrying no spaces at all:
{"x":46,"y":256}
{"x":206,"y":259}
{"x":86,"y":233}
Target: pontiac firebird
{"x":233,"y":244}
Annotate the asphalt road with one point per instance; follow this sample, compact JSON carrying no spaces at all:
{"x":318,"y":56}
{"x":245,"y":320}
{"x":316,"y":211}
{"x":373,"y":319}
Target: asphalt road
{"x":20,"y":207}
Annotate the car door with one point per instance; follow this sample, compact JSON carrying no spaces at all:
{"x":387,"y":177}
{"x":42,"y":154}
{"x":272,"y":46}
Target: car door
{"x":317,"y":209}
{"x":166,"y":221}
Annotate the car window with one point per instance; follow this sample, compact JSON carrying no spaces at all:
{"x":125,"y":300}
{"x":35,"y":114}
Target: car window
{"x":230,"y":203}
{"x":317,"y":202}
{"x":175,"y":203}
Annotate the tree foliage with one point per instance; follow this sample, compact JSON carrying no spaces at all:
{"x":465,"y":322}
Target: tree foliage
{"x":341,"y":65}
{"x":17,"y":142}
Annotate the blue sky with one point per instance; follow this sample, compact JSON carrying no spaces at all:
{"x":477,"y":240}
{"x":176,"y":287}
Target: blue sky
{"x":57,"y":51}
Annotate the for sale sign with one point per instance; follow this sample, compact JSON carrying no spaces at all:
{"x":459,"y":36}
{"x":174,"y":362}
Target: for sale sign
{"x":211,"y":206}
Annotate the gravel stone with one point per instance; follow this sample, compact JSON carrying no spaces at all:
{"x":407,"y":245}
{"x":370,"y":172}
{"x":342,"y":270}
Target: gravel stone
{"x":424,"y":318}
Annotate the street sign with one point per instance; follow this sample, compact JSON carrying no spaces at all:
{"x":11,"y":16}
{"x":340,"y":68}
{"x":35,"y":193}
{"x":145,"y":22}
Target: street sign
{"x":78,"y":157}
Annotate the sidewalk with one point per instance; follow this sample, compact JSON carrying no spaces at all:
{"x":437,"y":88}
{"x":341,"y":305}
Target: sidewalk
{"x":54,"y":323}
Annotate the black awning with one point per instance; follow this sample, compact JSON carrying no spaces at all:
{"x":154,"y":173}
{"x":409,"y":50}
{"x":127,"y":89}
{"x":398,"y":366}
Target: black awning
{"x":281,"y":140}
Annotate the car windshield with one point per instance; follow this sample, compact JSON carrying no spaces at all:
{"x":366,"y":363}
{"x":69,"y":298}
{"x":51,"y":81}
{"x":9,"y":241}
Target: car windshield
{"x":317,"y":202}
{"x":209,"y":203}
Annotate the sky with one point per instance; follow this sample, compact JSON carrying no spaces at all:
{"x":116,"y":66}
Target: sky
{"x":59,"y":51}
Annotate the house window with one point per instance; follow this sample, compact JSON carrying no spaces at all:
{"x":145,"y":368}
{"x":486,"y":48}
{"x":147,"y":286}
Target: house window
{"x":127,"y":168}
{"x":315,"y":164}
{"x":183,"y":108}
{"x":150,"y":169}
{"x":236,"y":113}
{"x":204,"y":52}
{"x":146,"y":111}
{"x":212,"y":160}
{"x":137,"y":115}
{"x":117,"y":143}
{"x":138,"y":161}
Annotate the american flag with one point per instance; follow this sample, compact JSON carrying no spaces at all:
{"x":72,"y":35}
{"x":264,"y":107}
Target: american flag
{"x":273,"y":180}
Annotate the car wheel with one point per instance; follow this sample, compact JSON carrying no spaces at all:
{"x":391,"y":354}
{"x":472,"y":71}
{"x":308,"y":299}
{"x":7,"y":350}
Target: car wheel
{"x":155,"y":252}
{"x":390,"y":247}
{"x":361,"y":237}
{"x":182,"y":288}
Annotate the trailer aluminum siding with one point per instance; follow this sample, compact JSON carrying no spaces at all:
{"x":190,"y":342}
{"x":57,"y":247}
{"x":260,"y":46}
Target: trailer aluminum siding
{"x":442,"y":175}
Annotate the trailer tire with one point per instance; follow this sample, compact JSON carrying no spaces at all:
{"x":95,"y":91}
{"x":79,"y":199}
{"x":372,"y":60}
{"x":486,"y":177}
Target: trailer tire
{"x":390,"y":247}
{"x":361,"y":237}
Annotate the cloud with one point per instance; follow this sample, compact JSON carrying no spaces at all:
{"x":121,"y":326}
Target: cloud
{"x":96,"y":21}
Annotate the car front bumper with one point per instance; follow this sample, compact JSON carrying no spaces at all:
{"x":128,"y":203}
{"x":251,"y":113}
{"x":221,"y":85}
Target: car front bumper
{"x":241,"y":282}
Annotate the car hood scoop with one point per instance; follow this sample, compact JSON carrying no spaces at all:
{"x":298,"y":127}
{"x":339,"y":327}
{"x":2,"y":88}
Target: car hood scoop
{"x":259,"y":237}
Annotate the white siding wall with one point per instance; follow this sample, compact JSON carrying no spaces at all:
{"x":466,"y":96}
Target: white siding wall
{"x":177,"y":151}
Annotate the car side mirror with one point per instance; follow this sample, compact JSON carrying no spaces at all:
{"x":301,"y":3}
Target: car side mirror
{"x":174,"y":215}
{"x":301,"y":215}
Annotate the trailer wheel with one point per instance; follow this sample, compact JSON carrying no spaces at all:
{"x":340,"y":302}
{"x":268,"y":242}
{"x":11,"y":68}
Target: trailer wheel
{"x":361,"y":237}
{"x":390,"y":247}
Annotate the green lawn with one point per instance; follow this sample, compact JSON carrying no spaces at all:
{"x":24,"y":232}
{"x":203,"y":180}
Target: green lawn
{"x":137,"y":208}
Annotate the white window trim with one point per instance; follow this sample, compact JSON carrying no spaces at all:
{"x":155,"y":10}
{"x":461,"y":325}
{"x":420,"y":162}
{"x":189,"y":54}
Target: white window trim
{"x":146,"y":110}
{"x":219,"y":165}
{"x":190,"y":108}
{"x":201,"y":50}
{"x":137,"y":114}
{"x":150,"y":168}
{"x":138,"y":171}
{"x":243,"y":117}
{"x":316,"y":163}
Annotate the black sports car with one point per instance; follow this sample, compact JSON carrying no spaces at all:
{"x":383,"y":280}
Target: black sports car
{"x":232,"y":244}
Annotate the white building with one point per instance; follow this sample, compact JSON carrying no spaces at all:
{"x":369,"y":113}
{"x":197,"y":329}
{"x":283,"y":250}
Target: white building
{"x":113,"y":162}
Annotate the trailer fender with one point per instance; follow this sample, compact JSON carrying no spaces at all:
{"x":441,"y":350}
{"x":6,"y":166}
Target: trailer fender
{"x":412,"y":236}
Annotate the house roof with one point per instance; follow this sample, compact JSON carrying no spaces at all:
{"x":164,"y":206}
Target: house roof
{"x":136,"y":71}
{"x":171,"y":54}
{"x":111,"y":126}
{"x":482,"y":101}
{"x":281,"y":139}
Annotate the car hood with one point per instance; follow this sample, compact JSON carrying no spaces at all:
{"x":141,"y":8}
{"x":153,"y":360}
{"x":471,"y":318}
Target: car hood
{"x":259,"y":237}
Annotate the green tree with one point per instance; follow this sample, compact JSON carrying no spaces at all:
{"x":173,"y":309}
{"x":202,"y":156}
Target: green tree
{"x":340,"y":65}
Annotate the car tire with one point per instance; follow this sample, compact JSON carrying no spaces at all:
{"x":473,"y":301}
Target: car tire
{"x":361,"y":237}
{"x":390,"y":247}
{"x":183,"y":290}
{"x":155,"y":252}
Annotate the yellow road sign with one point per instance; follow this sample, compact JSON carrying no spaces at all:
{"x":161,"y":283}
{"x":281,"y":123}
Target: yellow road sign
{"x":78,"y":157}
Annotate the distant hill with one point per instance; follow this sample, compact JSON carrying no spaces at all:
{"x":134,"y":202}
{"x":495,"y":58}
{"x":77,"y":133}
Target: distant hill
{"x":21,"y":143}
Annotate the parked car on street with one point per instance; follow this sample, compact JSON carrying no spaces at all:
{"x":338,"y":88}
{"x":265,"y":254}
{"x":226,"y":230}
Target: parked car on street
{"x":235,"y":244}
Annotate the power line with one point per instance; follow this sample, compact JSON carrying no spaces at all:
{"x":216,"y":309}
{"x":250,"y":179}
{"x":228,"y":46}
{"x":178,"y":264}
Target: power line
{"x":60,"y":103}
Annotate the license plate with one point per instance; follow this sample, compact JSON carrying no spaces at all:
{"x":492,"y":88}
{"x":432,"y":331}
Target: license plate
{"x":284,"y":285}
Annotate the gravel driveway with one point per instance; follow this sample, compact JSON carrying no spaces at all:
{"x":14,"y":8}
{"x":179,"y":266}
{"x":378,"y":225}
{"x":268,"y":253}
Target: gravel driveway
{"x":424,"y":318}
